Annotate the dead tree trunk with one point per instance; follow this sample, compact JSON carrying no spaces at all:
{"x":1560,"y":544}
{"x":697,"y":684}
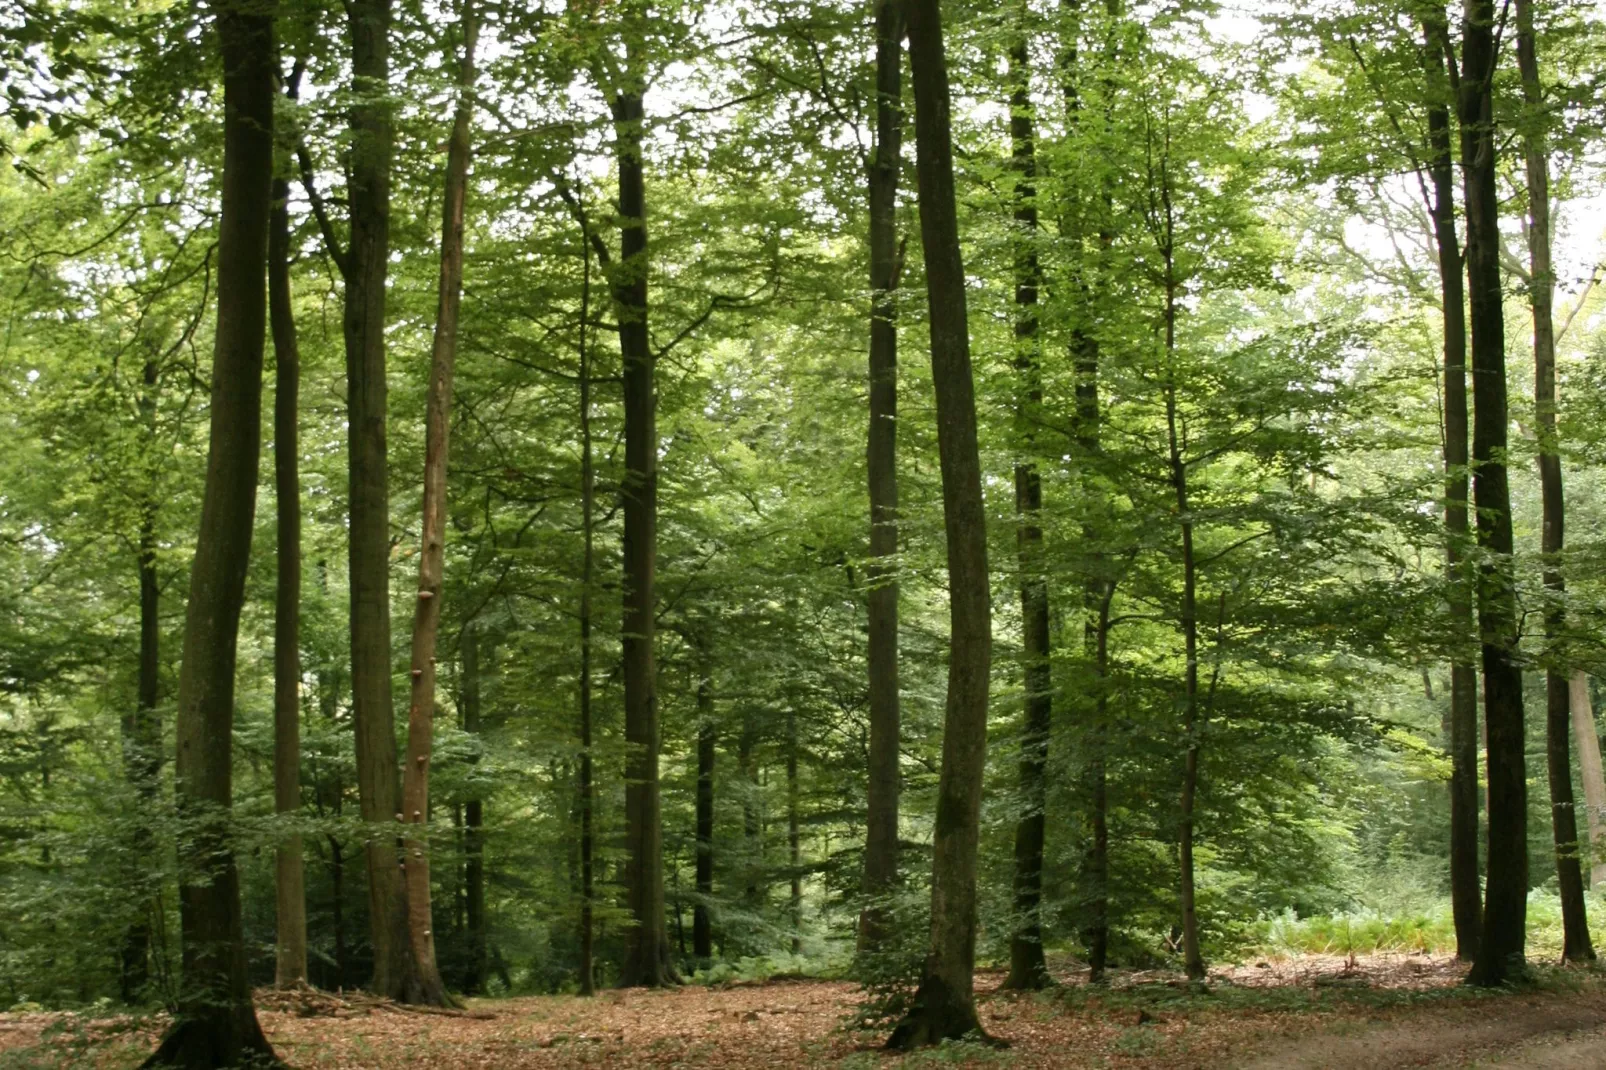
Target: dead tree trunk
{"x":432,"y":553}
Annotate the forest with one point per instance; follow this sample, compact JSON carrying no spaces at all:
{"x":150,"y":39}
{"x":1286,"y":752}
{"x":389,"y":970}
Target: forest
{"x":739,"y":532}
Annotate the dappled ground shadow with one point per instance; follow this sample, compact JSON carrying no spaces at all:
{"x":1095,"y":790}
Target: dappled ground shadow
{"x":1311,"y":1011}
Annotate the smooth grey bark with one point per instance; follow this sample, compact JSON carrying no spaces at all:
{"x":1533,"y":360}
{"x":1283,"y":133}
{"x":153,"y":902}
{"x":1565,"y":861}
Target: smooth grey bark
{"x":944,"y":1003}
{"x":1589,"y":771}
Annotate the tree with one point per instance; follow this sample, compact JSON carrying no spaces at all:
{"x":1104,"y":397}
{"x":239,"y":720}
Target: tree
{"x":944,"y":1004}
{"x":1541,"y":290}
{"x":432,"y":553}
{"x":216,"y":1025}
{"x":1500,"y":949}
{"x":1027,"y":966}
{"x":886,"y":263}
{"x":1465,"y":893}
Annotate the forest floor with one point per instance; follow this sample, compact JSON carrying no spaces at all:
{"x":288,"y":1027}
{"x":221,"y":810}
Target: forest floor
{"x":1305,"y":1013}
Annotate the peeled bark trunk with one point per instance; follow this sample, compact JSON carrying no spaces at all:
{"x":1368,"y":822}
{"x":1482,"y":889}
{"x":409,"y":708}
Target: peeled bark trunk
{"x":290,"y":898}
{"x":944,"y":1004}
{"x":1465,"y":891}
{"x":216,"y":1025}
{"x":1028,"y":968}
{"x":881,"y":803}
{"x":707,"y":736}
{"x":1500,"y":948}
{"x":1576,"y":945}
{"x":432,"y":553}
{"x":647,"y":955}
{"x":1589,"y":771}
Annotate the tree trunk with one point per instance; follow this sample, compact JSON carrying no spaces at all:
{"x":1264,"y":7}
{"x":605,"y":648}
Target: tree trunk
{"x":365,"y":267}
{"x":794,"y":841}
{"x":886,"y":261}
{"x":1500,"y":949}
{"x":216,"y":1025}
{"x":142,"y":728}
{"x":588,"y":496}
{"x":1465,"y":892}
{"x":944,"y":1004}
{"x":290,"y":965}
{"x":473,"y":823}
{"x":1564,"y":821}
{"x":702,"y":923}
{"x":432,"y":553}
{"x":1589,"y":771}
{"x":752,"y":833}
{"x":1027,"y":967}
{"x":647,"y":956}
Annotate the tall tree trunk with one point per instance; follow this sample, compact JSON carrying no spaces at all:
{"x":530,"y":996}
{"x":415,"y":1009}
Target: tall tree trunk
{"x":881,"y":802}
{"x":588,"y":496}
{"x":1192,"y":957}
{"x":290,"y":898}
{"x":702,"y":923}
{"x":1465,"y":891}
{"x":216,"y":1025}
{"x":944,"y":1003}
{"x":647,"y":957}
{"x":1589,"y":771}
{"x":1558,"y":717}
{"x":142,"y":728}
{"x":365,"y":267}
{"x":1027,"y":967}
{"x":473,"y":821}
{"x":752,"y":832}
{"x":432,"y":552}
{"x":794,"y":840}
{"x":1500,"y":949}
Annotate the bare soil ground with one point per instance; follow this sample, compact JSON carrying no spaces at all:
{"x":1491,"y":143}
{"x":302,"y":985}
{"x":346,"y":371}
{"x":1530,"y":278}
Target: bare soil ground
{"x":1313,"y":1012}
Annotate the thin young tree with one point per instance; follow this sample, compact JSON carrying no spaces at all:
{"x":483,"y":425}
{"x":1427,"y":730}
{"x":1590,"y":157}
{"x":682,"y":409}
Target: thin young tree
{"x":702,"y":926}
{"x":1499,"y":957}
{"x":881,"y":455}
{"x":432,"y":553}
{"x":944,"y":1004}
{"x":216,"y":1025}
{"x":1576,"y":945}
{"x":1028,"y":969}
{"x":1465,"y":893}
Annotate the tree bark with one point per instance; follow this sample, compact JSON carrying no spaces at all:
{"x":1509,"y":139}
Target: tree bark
{"x":473,"y":822}
{"x":290,"y":899}
{"x":1589,"y":771}
{"x":1465,"y":890}
{"x":216,"y":1025}
{"x":1027,"y":967}
{"x":142,"y":727}
{"x":1576,"y":945}
{"x":588,"y":496}
{"x":702,"y":923}
{"x":1500,"y":949}
{"x":432,"y":552}
{"x":881,"y":803}
{"x":647,"y":955}
{"x":944,"y":1004}
{"x":794,"y":840}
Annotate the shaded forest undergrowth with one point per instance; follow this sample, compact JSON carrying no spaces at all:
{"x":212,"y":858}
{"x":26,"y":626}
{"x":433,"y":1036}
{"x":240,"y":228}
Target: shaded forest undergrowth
{"x":1381,"y":1009}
